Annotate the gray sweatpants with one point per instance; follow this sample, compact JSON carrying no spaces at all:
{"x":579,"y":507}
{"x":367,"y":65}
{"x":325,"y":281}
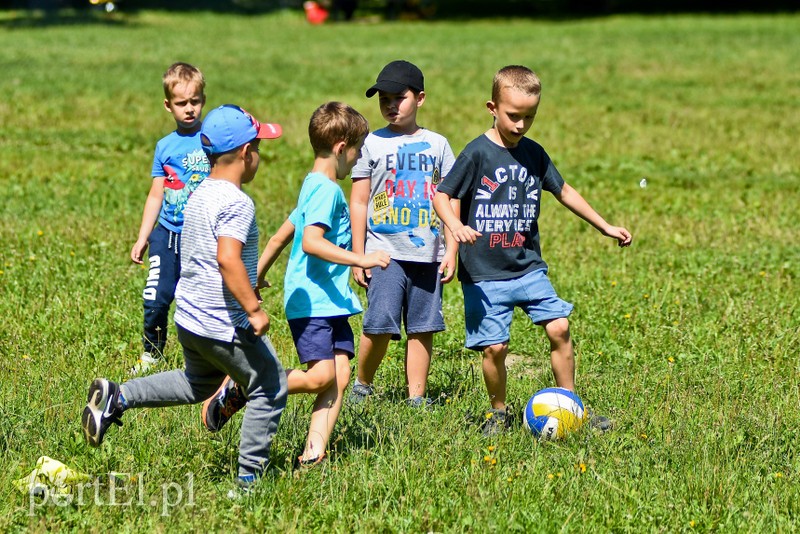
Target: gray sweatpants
{"x":251,"y":362}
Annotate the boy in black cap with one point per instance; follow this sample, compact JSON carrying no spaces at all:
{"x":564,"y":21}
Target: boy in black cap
{"x":220,"y":323}
{"x":391,"y":208}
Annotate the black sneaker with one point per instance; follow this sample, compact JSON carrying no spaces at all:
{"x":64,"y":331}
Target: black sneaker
{"x":497,"y":421}
{"x":102,"y":408}
{"x":359,"y":393}
{"x":221,"y":406}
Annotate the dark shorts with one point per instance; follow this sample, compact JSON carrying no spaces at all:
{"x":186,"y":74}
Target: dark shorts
{"x":489,"y":306}
{"x":319,"y":338}
{"x":405,"y":291}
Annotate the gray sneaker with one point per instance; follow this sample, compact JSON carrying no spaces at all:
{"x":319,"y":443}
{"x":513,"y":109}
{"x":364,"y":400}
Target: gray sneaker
{"x":598,"y":422}
{"x":497,"y":421}
{"x":420,"y":402}
{"x":359,"y":393}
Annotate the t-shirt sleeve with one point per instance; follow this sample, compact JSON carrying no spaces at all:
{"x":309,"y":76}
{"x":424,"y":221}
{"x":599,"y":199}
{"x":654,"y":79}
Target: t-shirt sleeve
{"x":364,"y":166}
{"x":457,"y":182}
{"x":320,"y":207}
{"x":551,"y":179}
{"x":294,"y":217}
{"x":235,"y":219}
{"x":159,"y":160}
{"x":448,"y":159}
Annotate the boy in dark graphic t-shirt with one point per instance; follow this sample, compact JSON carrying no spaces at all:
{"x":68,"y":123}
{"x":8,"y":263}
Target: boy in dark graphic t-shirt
{"x":490,"y":202}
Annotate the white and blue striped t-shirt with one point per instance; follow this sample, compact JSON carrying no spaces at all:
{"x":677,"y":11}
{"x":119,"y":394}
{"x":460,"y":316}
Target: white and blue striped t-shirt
{"x":205,"y":306}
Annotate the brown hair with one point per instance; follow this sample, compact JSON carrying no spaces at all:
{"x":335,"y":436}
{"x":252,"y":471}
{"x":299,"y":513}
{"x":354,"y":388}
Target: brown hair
{"x":516,"y":77}
{"x":333,"y":122}
{"x":182,"y":73}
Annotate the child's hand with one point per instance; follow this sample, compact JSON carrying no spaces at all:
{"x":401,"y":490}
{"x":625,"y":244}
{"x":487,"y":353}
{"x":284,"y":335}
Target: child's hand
{"x":259,"y":321}
{"x":623,"y":237}
{"x":362,"y":276}
{"x":448,"y":267}
{"x":137,"y":252}
{"x":465,"y":234}
{"x":374,"y":259}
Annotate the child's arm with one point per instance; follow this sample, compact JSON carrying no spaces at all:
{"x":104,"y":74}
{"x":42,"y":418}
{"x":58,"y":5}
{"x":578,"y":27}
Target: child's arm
{"x":274,"y":247}
{"x":152,"y":206}
{"x":446,"y":212}
{"x":448,"y":266}
{"x":359,"y":200}
{"x":315,"y":244}
{"x":573,"y":200}
{"x":234,"y":275}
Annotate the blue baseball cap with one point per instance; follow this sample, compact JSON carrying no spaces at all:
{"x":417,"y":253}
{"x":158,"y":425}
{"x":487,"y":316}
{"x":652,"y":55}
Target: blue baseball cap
{"x":229,"y":127}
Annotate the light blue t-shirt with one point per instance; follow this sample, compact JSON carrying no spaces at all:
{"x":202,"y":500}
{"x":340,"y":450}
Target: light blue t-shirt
{"x":180,"y":159}
{"x":314,"y":287}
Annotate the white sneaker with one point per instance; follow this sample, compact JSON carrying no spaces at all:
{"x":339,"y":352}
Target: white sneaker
{"x":147,"y":362}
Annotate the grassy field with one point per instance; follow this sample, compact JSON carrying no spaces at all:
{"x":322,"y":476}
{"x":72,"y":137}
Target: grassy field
{"x":688,"y":340}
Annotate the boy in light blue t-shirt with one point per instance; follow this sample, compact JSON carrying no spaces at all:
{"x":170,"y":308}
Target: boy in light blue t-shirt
{"x":317,"y":294}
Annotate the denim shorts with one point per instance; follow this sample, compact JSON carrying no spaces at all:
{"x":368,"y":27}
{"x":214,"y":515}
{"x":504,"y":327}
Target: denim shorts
{"x":319,"y":338}
{"x":489,"y":306}
{"x":406,"y":291}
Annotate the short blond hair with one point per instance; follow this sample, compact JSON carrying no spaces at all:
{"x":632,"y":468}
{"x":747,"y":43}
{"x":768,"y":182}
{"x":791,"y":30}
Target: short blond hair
{"x":333,"y":122}
{"x":516,"y":77}
{"x":182,"y":73}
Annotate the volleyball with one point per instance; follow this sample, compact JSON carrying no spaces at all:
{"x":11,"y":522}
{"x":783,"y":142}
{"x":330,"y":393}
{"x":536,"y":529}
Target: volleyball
{"x":552,"y":413}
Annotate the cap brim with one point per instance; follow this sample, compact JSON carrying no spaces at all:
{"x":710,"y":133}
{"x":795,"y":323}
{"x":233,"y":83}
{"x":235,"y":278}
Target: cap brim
{"x":269,"y":131}
{"x":387,"y":87}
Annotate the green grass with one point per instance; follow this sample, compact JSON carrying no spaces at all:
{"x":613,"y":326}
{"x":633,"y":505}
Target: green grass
{"x":688,"y":340}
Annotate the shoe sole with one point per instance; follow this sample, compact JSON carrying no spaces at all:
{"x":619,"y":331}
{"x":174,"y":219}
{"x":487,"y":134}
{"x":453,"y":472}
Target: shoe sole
{"x":93,"y":413}
{"x":207,"y":405}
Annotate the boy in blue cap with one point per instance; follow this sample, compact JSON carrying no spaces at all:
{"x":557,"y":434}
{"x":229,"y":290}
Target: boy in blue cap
{"x":220,"y":323}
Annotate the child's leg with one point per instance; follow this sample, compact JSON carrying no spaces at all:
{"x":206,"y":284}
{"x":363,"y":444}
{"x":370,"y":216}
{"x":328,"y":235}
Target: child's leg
{"x":371,"y":351}
{"x":418,"y":363}
{"x":562,"y":355}
{"x":327,"y":407}
{"x":317,"y":378}
{"x":159,"y":291}
{"x":494,"y":373}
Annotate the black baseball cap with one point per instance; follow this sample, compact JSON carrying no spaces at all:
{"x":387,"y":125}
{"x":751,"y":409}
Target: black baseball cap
{"x":396,"y":77}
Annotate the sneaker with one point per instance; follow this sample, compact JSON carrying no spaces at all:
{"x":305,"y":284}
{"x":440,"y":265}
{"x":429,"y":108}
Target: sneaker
{"x":245,"y":484}
{"x":497,"y":421}
{"x":147,"y":362}
{"x":359,"y":393}
{"x":221,"y":406}
{"x":103,"y":407}
{"x":420,"y":402}
{"x":600,"y":423}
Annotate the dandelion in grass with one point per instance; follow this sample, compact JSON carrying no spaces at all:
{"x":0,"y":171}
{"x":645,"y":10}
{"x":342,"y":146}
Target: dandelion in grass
{"x":40,"y":233}
{"x":671,"y":359}
{"x":643,"y":436}
{"x":582,"y":467}
{"x":494,"y":461}
{"x":1,"y":272}
{"x":599,"y":352}
{"x":487,"y":458}
{"x":646,"y":296}
{"x":32,"y":257}
{"x":627,"y":316}
{"x":550,"y":476}
{"x":692,"y":523}
{"x":72,"y":253}
{"x":613,"y":283}
{"x":510,"y":479}
{"x":491,"y":448}
{"x":675,"y":323}
{"x":779,"y":475}
{"x":763,"y":273}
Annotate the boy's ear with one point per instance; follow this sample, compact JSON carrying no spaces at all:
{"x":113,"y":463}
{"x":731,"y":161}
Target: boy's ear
{"x":492,"y":107}
{"x":339,"y":148}
{"x":166,"y":105}
{"x":420,"y":98}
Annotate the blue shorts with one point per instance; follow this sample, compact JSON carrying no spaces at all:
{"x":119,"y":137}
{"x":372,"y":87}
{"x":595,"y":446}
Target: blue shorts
{"x":406,"y":291}
{"x":319,"y":338}
{"x":489,"y":306}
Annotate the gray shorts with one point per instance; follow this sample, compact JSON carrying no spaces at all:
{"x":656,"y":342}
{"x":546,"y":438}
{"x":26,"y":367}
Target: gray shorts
{"x":408,"y":292}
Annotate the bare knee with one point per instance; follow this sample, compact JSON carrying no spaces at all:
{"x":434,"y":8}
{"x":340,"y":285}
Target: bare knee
{"x":496,"y":353}
{"x":318,"y":380}
{"x":558,"y":331}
